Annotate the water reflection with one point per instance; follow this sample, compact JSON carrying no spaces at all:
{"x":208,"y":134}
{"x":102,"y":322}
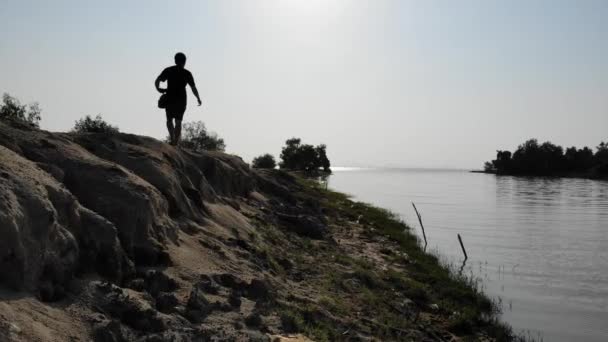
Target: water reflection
{"x":538,"y":243}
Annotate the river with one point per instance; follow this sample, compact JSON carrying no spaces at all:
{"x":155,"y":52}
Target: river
{"x":539,"y":245}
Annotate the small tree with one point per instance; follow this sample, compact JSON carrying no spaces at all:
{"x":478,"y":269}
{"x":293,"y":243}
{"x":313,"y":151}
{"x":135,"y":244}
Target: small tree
{"x":12,"y":109}
{"x":265,"y":161}
{"x":196,"y":137}
{"x":289,"y":154}
{"x":322,"y":159}
{"x":93,"y":125}
{"x":304,"y":157}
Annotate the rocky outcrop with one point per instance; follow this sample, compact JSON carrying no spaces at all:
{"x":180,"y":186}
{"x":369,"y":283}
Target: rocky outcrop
{"x":112,"y":206}
{"x":46,"y":235}
{"x":112,"y":201}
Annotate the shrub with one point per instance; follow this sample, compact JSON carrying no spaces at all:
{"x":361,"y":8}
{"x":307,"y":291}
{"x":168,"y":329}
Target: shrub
{"x":304,"y":157}
{"x":265,"y":161}
{"x":93,"y":125}
{"x":12,"y":109}
{"x":196,"y":137}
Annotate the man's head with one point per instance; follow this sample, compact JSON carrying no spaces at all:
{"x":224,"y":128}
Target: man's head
{"x":180,"y":59}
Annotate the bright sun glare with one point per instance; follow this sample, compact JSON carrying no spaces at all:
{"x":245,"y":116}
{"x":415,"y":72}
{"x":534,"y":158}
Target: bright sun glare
{"x":310,"y":5}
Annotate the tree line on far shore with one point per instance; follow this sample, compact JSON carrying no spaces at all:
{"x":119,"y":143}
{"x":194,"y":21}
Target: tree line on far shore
{"x":547,"y":159}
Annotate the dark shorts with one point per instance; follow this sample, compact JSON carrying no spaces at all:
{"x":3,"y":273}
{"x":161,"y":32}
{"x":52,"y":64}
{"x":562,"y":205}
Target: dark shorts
{"x":175,"y":110}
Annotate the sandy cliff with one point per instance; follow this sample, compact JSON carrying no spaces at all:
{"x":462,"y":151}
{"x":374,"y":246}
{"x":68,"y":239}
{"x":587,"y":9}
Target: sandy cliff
{"x":125,"y":238}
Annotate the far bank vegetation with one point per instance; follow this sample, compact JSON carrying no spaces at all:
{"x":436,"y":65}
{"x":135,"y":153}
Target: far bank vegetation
{"x":547,"y":159}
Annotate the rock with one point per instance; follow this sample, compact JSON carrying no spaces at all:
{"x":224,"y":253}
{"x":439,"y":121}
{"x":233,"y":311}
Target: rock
{"x":13,"y":329}
{"x":197,"y":300}
{"x":229,"y":280}
{"x":259,"y":289}
{"x":9,"y":331}
{"x":111,"y":331}
{"x":196,"y":316}
{"x":166,"y":302}
{"x":179,"y":335}
{"x":254,"y":320}
{"x":137,"y":210}
{"x":229,"y":175}
{"x":137,"y":284}
{"x":100,"y":247}
{"x":38,"y":213}
{"x":100,"y":203}
{"x":157,"y":164}
{"x":407,"y":303}
{"x":198,"y":306}
{"x":285,"y":263}
{"x":305,"y":225}
{"x":157,"y":281}
{"x":37,"y":250}
{"x":289,"y":324}
{"x":256,"y":336}
{"x":52,"y":170}
{"x":277,"y":183}
{"x":50,"y":292}
{"x":207,"y":285}
{"x":211,"y":245}
{"x":234,"y":300}
{"x":239,"y":243}
{"x":129,"y":310}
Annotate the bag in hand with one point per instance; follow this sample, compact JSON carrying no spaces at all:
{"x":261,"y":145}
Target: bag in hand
{"x":162,"y":101}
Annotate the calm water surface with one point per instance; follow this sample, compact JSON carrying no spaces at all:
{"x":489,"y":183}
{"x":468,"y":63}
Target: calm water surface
{"x":540,"y":245}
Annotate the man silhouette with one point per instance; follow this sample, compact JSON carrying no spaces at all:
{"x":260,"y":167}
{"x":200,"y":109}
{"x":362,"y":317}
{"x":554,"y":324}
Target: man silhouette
{"x":177,"y":77}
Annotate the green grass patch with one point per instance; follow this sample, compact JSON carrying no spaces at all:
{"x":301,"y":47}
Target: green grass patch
{"x":427,"y":280}
{"x":306,"y":320}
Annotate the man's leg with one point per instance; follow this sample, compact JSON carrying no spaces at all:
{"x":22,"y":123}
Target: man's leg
{"x":171,"y":130}
{"x":178,"y":130}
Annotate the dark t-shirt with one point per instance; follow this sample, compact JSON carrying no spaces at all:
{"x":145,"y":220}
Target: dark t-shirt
{"x":177,"y":78}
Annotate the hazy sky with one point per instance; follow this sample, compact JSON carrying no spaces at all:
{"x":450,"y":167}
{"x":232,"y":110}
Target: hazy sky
{"x":382,"y":83}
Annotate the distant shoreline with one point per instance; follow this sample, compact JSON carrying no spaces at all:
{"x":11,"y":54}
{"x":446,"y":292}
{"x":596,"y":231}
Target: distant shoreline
{"x":482,"y":171}
{"x":571,"y":175}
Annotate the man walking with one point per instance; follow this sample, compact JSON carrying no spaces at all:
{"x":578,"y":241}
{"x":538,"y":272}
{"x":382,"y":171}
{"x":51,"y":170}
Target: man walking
{"x":177,"y":77}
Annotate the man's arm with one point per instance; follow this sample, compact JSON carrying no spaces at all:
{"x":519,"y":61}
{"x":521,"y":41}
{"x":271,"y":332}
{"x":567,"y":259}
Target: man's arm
{"x":161,"y":78}
{"x":193,"y":87}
